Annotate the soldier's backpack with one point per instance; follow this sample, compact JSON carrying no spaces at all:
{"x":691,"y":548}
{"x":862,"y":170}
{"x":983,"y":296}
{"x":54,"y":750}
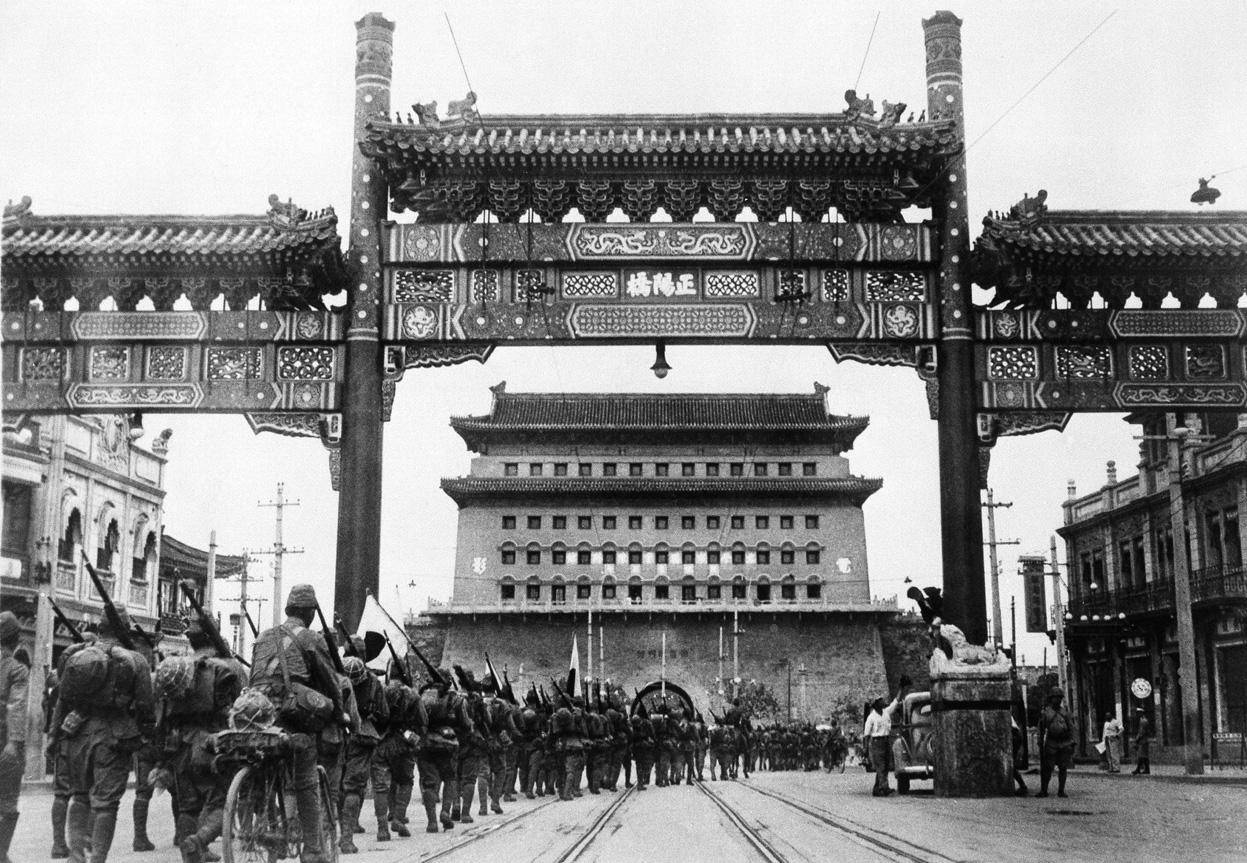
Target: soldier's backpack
{"x":1058,"y":727}
{"x":88,"y":678}
{"x":277,"y":658}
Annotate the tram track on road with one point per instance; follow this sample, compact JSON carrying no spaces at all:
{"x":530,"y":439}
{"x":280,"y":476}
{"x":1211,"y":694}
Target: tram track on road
{"x":478,"y":833}
{"x":751,"y":834}
{"x":594,"y":830}
{"x":884,"y":844}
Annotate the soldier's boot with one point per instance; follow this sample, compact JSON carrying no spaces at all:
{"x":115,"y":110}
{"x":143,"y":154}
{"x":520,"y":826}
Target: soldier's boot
{"x":402,"y":799}
{"x":467,"y":793}
{"x":448,"y":819}
{"x":483,"y":791}
{"x":350,"y":815}
{"x":76,"y":818}
{"x":103,"y":827}
{"x":185,"y":827}
{"x":8,"y":823}
{"x":429,"y":800}
{"x":141,"y":842}
{"x":381,"y":808}
{"x":60,"y":850}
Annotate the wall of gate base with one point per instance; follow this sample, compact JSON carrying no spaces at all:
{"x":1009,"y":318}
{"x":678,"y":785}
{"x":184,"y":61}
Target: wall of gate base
{"x":842,"y":653}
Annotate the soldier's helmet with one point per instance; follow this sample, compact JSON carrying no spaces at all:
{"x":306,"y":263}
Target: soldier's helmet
{"x":10,"y":628}
{"x":251,"y":711}
{"x":301,"y":596}
{"x":355,"y":669}
{"x":175,"y":676}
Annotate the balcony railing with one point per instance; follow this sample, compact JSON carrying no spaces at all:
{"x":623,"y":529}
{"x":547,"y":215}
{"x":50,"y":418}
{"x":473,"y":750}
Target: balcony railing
{"x":1151,"y":599}
{"x":1216,"y":583}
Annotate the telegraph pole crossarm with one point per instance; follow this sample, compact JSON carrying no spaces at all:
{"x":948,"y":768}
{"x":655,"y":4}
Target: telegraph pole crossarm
{"x":280,"y":549}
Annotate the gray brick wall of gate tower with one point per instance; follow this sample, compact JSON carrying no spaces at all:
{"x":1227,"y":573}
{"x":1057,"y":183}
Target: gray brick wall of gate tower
{"x":843,"y":657}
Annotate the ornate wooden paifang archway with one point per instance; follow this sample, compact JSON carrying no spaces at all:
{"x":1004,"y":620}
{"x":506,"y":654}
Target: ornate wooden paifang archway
{"x":444,"y":288}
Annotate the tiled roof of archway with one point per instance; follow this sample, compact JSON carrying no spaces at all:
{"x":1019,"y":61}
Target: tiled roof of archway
{"x":475,"y":488}
{"x":1125,"y":234}
{"x":663,"y":133}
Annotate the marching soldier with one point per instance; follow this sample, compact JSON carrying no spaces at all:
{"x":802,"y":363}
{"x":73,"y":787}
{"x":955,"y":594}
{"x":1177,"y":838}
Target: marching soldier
{"x":56,"y":749}
{"x":721,"y":749}
{"x":14,"y":692}
{"x":500,"y":741}
{"x":437,"y":758}
{"x":104,"y":710}
{"x":596,"y":746}
{"x":394,"y":762}
{"x":531,"y":744}
{"x":473,"y":751}
{"x":664,"y":746}
{"x":620,"y":735}
{"x":291,"y":663}
{"x":567,"y":726}
{"x":194,"y":696}
{"x":374,"y":714}
{"x":145,"y":761}
{"x":641,"y":732}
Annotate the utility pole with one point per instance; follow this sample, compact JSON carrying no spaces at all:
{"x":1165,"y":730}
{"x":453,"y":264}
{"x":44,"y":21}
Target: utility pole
{"x":243,"y":579}
{"x":279,"y":549}
{"x":1058,"y":612}
{"x":735,"y":649}
{"x":1191,"y":743}
{"x":1013,"y":622}
{"x":998,"y":635}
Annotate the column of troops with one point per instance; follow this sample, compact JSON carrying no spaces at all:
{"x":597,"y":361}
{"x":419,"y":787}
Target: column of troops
{"x":113,"y":710}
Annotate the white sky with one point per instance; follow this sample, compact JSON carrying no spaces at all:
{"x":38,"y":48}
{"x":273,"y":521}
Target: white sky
{"x":207,"y":108}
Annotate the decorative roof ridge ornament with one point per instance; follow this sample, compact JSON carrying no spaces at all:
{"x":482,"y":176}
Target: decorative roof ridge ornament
{"x":289,"y":217}
{"x":21,"y":210}
{"x":1030,"y":210}
{"x":858,"y":108}
{"x":1205,"y":194}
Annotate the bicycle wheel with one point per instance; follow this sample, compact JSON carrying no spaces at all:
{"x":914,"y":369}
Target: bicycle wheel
{"x":254,"y":825}
{"x":328,"y":818}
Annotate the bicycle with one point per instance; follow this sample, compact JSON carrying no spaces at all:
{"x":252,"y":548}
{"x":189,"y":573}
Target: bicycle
{"x":261,"y":824}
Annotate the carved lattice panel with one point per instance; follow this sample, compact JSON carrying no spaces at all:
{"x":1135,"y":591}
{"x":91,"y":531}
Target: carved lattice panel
{"x":591,"y":284}
{"x":835,"y":286}
{"x":1083,"y":362}
{"x":43,"y":364}
{"x":1149,"y":362}
{"x":484,"y":286}
{"x":424,"y":286}
{"x":895,"y":287}
{"x":1013,"y":363}
{"x":1205,"y":362}
{"x":742,"y":284}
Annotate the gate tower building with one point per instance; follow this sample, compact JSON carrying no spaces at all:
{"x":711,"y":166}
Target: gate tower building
{"x":628,"y":516}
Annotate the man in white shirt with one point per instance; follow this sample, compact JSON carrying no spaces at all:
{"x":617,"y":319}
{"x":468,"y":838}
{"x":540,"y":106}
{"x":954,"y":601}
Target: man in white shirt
{"x":876,"y":733}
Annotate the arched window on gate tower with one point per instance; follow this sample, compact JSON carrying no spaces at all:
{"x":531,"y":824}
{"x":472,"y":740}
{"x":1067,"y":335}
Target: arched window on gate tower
{"x":763,"y":588}
{"x":72,"y":538}
{"x":558,"y":591}
{"x":714,"y":589}
{"x":814,"y":587}
{"x":110,"y":542}
{"x":688,"y":590}
{"x":739,"y":588}
{"x":609,"y":588}
{"x":506,"y":588}
{"x":662,"y":588}
{"x":788,"y":588}
{"x":635,"y":590}
{"x":584,"y":588}
{"x":532,"y":590}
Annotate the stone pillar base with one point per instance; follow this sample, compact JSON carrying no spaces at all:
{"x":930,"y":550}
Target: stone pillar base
{"x":972,"y":745}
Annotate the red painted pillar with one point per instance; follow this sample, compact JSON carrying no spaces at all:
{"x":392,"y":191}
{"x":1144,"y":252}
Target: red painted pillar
{"x":965,"y":600}
{"x":359,"y":499}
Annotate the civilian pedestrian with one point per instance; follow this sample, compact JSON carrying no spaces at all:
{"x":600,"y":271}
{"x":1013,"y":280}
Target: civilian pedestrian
{"x":1143,"y":744}
{"x":877,"y":733}
{"x":1111,"y":737}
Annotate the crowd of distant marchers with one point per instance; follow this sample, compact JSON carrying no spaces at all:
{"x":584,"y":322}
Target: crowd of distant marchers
{"x":319,"y":715}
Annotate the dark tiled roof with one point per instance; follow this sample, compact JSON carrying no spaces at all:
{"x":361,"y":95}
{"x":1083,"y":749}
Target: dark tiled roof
{"x":1114,"y":234}
{"x":663,"y":134}
{"x":469,"y":488}
{"x":36,"y":240}
{"x":659,"y":412}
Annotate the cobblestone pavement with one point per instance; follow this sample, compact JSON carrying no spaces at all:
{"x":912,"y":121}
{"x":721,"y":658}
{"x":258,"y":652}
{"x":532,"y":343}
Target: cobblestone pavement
{"x":1161,"y":818}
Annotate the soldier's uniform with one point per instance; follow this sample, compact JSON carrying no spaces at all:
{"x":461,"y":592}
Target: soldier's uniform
{"x":145,"y":761}
{"x":530,"y":746}
{"x":620,"y":734}
{"x":394,"y":762}
{"x":438,"y":756}
{"x":641,"y":732}
{"x":295,"y":652}
{"x":568,"y":728}
{"x":374,"y":715}
{"x":597,"y":746}
{"x":101,"y":733}
{"x":664,"y":747}
{"x":14,"y":693}
{"x":501,"y":740}
{"x":473,"y":756}
{"x":194,"y":694}
{"x":721,"y":750}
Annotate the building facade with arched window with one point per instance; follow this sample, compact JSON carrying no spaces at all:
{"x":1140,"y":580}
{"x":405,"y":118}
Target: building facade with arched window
{"x":688,"y":508}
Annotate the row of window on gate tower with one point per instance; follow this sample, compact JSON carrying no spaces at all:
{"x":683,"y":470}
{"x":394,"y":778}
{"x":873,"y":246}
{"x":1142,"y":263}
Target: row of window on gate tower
{"x":688,"y":468}
{"x":688,"y":592}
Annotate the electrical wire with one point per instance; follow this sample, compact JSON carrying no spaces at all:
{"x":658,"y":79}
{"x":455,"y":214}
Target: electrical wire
{"x":869,"y":42}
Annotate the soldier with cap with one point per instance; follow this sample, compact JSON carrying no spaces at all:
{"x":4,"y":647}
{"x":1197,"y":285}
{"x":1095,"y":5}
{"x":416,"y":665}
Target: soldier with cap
{"x":641,"y":734}
{"x":500,"y":734}
{"x":14,"y":692}
{"x":620,"y":735}
{"x":291,"y":663}
{"x":104,"y":710}
{"x":193,"y":698}
{"x":374,"y":716}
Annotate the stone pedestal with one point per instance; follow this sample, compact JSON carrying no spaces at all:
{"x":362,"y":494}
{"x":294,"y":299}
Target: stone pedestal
{"x":972,"y":745}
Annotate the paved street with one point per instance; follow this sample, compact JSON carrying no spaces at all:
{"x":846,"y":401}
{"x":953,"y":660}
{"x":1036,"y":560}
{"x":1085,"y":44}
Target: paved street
{"x":802,"y":817}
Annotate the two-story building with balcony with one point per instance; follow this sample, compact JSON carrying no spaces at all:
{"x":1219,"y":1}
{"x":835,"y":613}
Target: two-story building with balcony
{"x":1120,"y":624}
{"x":728,"y":526}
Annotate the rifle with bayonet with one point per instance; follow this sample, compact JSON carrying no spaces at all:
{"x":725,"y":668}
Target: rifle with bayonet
{"x":399,"y":664}
{"x":567,"y":702}
{"x":74,"y":632}
{"x":120,"y":632}
{"x":340,"y":628}
{"x":434,"y":674}
{"x":207,"y":624}
{"x":255,"y":630}
{"x":334,"y":656}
